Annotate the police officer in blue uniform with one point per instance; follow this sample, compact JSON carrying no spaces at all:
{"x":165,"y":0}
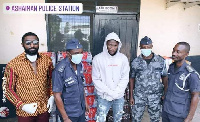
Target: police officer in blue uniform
{"x":68,"y":85}
{"x":182,"y":95}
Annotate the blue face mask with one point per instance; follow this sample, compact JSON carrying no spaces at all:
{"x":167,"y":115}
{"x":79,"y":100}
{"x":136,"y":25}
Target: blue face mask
{"x":77,"y":58}
{"x":146,"y":52}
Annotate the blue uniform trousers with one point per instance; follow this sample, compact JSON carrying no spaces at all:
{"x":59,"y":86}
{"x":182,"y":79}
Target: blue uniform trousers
{"x":76,"y":119}
{"x":170,"y":118}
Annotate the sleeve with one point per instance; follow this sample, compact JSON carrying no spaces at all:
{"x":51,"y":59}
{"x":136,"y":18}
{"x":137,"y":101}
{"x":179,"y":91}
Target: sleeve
{"x":96,"y":78}
{"x":164,"y":71}
{"x":121,"y":86}
{"x":57,"y":81}
{"x":194,"y":82}
{"x":133,"y":70}
{"x":50,"y":78}
{"x":10,"y":88}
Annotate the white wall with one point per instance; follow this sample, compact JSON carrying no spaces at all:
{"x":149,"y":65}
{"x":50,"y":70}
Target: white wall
{"x":14,"y":26}
{"x":168,"y":26}
{"x":164,"y":26}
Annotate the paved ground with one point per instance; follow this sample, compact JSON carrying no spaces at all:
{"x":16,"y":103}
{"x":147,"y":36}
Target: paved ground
{"x":145,"y":118}
{"x":195,"y":119}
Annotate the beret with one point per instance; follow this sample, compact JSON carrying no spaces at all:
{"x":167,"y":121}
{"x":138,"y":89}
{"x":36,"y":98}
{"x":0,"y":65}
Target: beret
{"x":73,"y":44}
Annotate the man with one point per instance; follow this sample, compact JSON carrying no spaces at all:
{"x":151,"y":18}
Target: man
{"x":68,"y":85}
{"x":28,"y":82}
{"x":182,"y":95}
{"x":145,"y":86}
{"x":110,"y":74}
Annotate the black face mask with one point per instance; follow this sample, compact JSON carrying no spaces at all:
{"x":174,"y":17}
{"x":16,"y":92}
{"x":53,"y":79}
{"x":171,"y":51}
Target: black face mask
{"x":31,"y":52}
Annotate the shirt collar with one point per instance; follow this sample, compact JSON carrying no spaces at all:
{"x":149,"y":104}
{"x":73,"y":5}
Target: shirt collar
{"x":181,"y":69}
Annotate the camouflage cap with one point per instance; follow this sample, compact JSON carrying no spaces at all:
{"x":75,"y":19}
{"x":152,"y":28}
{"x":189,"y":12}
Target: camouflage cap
{"x":145,"y":41}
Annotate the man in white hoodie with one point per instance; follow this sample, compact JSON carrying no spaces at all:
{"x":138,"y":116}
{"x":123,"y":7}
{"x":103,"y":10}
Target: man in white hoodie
{"x":110,"y":75}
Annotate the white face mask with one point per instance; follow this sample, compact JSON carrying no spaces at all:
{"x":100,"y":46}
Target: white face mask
{"x":146,"y":52}
{"x":77,"y":58}
{"x":31,"y":58}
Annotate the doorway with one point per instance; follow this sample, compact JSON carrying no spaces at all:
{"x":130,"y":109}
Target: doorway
{"x":126,"y":26}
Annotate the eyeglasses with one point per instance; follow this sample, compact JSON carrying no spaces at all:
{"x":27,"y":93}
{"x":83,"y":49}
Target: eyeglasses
{"x":35,"y":42}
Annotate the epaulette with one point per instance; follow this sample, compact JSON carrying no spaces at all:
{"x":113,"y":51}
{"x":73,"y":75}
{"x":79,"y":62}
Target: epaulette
{"x":190,"y":69}
{"x":61,"y":67}
{"x":161,"y":57}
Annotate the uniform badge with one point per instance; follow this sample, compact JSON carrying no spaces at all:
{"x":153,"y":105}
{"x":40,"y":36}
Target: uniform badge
{"x":68,"y":79}
{"x":70,"y":82}
{"x":182,"y":76}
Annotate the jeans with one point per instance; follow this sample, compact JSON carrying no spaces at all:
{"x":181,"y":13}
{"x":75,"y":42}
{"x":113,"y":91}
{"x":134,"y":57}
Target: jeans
{"x":103,"y":107}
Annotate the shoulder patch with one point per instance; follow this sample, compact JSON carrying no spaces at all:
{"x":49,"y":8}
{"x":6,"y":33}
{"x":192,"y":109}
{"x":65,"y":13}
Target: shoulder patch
{"x":189,"y":68}
{"x":61,"y":66}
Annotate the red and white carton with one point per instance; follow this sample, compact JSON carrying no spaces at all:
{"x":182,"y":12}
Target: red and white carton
{"x":91,"y":121}
{"x":87,"y":67}
{"x":88,"y":79}
{"x":84,"y":59}
{"x":52,"y":55}
{"x":91,"y":100}
{"x":91,"y":115}
{"x":90,"y":90}
{"x":61,"y":55}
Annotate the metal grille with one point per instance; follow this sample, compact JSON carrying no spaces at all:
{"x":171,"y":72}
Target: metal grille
{"x":65,"y":27}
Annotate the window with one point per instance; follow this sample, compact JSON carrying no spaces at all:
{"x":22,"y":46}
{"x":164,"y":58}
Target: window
{"x":62,"y":28}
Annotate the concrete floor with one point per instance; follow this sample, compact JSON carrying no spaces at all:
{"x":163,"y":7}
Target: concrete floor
{"x":145,"y":117}
{"x":196,"y":117}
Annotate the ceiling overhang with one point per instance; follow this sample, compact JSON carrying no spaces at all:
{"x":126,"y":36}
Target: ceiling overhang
{"x":187,"y":3}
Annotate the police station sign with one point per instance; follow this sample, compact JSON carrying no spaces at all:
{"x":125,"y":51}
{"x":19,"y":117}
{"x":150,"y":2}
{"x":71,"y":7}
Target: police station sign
{"x":106,"y":9}
{"x":43,"y":8}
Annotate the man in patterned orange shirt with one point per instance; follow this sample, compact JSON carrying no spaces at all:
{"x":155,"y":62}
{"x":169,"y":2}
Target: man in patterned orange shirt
{"x":28,"y":82}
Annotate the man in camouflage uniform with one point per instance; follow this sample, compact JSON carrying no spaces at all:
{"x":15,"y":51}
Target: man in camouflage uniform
{"x":145,"y":86}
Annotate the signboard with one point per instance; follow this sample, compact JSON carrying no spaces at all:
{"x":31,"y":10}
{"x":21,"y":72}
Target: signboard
{"x":106,"y":9}
{"x":42,"y":8}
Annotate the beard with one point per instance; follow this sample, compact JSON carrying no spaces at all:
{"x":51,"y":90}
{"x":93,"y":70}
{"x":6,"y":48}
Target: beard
{"x":31,"y":52}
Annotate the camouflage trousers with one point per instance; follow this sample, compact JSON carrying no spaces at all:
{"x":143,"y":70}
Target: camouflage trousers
{"x":153,"y":103}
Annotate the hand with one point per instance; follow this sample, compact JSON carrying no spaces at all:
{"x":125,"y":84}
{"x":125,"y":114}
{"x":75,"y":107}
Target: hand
{"x":4,"y":112}
{"x":87,"y":108}
{"x":30,"y":108}
{"x":67,"y":120}
{"x":163,"y":97}
{"x":187,"y":120}
{"x":131,"y":101}
{"x":50,"y":104}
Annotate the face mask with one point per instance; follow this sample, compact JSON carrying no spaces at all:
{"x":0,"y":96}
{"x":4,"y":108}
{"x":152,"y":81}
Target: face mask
{"x":31,"y":58}
{"x":77,"y":58}
{"x":146,"y":52}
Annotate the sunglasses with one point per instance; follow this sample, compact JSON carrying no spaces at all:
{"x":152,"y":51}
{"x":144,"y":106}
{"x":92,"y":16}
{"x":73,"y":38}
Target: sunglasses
{"x":35,"y":42}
